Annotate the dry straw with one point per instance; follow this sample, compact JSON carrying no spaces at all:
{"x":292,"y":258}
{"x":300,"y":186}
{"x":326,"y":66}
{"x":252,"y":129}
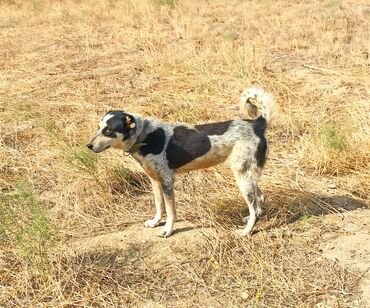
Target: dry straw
{"x":63,"y":64}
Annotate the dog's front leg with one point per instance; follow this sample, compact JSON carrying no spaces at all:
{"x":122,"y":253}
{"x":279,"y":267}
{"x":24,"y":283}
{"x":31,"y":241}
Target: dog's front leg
{"x":159,"y":204}
{"x":170,"y":210}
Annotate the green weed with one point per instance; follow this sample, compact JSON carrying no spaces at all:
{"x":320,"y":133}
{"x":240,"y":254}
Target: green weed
{"x":165,"y":2}
{"x":123,"y":180}
{"x":51,"y":130}
{"x":331,"y":138}
{"x":333,"y":3}
{"x":24,"y":225}
{"x":83,"y":159}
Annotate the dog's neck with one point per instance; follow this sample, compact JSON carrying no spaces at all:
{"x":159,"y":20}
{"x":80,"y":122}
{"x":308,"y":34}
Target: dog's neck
{"x":142,"y":125}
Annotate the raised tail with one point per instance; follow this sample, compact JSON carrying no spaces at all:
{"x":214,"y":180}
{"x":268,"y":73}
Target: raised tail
{"x":255,"y":102}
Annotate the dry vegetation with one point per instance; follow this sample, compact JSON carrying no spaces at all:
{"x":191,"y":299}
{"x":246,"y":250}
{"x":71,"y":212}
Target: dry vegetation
{"x":64,"y":63}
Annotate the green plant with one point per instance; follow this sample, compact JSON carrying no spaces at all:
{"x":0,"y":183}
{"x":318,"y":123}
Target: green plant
{"x":123,"y":180}
{"x":24,"y":225}
{"x":333,"y":3}
{"x":331,"y":138}
{"x":83,"y":159}
{"x":165,"y":2}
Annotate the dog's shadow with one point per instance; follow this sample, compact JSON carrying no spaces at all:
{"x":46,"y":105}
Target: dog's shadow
{"x":304,"y":206}
{"x":328,"y":205}
{"x":184,"y":229}
{"x":287,"y":207}
{"x":181,"y":229}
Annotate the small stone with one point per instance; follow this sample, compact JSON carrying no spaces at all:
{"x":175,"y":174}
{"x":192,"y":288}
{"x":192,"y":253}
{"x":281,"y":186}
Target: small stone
{"x":351,"y":227}
{"x":329,"y":246}
{"x":244,"y":295}
{"x":352,"y":253}
{"x":332,"y":186}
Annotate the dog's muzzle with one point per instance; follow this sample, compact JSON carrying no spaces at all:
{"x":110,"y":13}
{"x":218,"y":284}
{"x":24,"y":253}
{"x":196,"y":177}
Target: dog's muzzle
{"x":91,"y":147}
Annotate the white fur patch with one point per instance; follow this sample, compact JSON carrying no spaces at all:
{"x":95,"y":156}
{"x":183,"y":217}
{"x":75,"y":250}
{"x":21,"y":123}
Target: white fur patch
{"x":103,"y":122}
{"x":266,"y":100}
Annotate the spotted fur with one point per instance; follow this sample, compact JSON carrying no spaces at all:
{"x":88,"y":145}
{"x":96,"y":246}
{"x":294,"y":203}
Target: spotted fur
{"x":164,"y":150}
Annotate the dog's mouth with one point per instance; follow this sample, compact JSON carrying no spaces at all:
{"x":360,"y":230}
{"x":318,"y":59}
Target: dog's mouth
{"x":99,"y":151}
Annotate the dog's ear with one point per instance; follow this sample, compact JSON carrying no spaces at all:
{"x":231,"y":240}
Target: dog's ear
{"x":129,"y":121}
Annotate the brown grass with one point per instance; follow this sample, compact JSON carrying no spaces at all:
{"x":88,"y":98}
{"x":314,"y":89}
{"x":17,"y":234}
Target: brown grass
{"x":63,"y":64}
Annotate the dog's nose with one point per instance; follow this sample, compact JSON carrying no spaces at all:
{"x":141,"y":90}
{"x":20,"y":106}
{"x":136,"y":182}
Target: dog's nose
{"x":90,"y":146}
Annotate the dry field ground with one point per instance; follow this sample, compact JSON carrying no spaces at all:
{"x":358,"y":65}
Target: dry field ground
{"x":71,"y":222}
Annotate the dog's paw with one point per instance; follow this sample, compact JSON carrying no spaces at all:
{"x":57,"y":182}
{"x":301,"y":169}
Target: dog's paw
{"x":164,"y":233}
{"x":258,"y":216}
{"x":242,"y":233}
{"x":151,"y":223}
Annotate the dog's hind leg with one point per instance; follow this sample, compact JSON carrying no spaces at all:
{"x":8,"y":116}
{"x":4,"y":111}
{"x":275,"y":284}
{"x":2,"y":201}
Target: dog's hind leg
{"x":246,"y":172}
{"x":258,"y":205}
{"x":159,"y":204}
{"x":249,"y":191}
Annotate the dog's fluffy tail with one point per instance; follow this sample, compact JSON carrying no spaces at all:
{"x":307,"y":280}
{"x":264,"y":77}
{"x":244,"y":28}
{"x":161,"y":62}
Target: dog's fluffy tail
{"x":255,"y":101}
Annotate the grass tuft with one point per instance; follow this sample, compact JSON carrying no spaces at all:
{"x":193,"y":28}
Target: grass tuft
{"x":165,"y":2}
{"x":83,"y":159}
{"x":24,"y":225}
{"x":124,"y":181}
{"x":331,"y":138}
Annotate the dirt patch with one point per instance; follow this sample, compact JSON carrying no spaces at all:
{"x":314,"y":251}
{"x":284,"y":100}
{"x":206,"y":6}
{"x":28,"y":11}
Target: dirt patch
{"x":349,"y":244}
{"x":141,"y":243}
{"x":346,"y":242}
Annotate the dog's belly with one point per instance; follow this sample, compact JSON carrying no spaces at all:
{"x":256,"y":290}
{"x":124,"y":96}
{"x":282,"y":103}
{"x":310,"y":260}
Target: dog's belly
{"x":212,"y":158}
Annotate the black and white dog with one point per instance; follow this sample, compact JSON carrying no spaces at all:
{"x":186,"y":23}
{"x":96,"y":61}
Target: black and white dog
{"x":164,"y":150}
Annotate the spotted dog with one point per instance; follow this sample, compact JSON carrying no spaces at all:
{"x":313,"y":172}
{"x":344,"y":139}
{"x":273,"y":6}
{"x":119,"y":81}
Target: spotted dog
{"x":164,"y":150}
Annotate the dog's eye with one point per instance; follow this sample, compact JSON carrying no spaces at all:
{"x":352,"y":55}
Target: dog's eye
{"x":108,"y":131}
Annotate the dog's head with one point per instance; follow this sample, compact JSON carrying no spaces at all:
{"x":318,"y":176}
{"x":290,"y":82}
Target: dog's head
{"x":117,"y":129}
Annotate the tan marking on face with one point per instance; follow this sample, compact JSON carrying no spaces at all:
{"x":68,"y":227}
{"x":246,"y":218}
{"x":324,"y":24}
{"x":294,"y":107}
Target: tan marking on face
{"x":101,"y":142}
{"x":129,"y":122}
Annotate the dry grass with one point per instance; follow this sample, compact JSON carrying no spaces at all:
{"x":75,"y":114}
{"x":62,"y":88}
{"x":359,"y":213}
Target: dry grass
{"x":63,"y":64}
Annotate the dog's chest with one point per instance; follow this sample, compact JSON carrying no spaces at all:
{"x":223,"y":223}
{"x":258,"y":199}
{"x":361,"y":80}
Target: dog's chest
{"x":148,"y":167}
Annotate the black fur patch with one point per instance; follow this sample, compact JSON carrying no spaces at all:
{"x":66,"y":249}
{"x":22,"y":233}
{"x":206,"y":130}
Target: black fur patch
{"x":117,"y":124}
{"x":259,"y":127}
{"x":261,"y":152}
{"x":213,"y":128}
{"x":185,"y":145}
{"x":154,"y":142}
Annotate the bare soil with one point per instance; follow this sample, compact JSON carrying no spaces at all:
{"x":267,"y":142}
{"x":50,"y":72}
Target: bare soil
{"x":349,"y":244}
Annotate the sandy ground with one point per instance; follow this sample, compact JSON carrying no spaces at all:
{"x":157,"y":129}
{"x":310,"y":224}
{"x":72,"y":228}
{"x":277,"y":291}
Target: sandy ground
{"x":347,"y":241}
{"x":350,"y":245}
{"x":139,"y":242}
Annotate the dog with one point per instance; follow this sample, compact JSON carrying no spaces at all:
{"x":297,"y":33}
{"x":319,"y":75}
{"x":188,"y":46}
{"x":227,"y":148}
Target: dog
{"x":164,"y":150}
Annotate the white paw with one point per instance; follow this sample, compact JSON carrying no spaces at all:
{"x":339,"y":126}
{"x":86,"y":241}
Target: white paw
{"x":164,"y":232}
{"x":258,"y":216}
{"x":151,"y":223}
{"x":242,"y":232}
